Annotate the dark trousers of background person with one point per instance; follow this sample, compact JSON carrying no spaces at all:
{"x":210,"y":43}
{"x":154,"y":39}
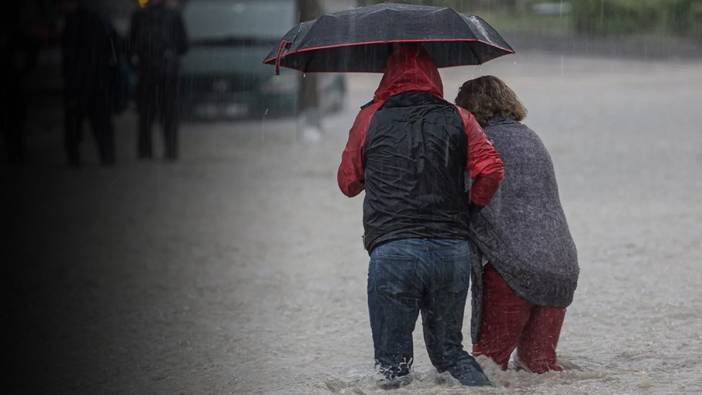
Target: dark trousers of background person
{"x":158,"y":100}
{"x":98,"y":112}
{"x":431,"y":276}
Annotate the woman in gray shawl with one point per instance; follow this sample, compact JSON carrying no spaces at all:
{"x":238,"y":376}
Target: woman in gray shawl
{"x":530,"y":268}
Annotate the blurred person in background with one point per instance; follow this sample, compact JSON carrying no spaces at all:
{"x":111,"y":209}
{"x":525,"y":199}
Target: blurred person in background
{"x":157,"y":40}
{"x":526,"y":268}
{"x":90,"y":62}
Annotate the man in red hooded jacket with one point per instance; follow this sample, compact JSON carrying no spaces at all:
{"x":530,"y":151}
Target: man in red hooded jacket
{"x":410,"y":150}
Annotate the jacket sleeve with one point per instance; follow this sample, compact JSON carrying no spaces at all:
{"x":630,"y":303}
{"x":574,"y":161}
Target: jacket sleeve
{"x":181,"y":35}
{"x":134,"y":31}
{"x":350,"y":175}
{"x":484,"y":165}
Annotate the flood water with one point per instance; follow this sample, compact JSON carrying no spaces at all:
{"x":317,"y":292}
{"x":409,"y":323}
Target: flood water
{"x":240,"y":268}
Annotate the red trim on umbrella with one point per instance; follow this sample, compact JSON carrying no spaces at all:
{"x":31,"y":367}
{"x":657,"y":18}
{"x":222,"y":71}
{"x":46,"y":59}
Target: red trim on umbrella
{"x":277,"y":58}
{"x":283,"y":45}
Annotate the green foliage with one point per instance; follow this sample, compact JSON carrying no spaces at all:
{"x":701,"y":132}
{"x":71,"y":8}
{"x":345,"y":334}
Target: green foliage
{"x":617,"y":17}
{"x":686,"y":18}
{"x":505,"y":15}
{"x":591,"y":17}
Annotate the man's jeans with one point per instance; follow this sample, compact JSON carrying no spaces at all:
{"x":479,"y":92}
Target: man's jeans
{"x":428,"y":275}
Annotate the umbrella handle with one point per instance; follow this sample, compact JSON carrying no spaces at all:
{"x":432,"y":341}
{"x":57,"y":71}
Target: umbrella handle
{"x":284,"y":44}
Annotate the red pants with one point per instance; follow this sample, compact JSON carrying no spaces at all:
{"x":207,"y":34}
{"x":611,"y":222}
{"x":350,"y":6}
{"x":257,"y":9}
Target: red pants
{"x":511,"y":322}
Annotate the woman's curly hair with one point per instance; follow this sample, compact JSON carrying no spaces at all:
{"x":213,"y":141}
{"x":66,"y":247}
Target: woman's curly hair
{"x":487,"y":97}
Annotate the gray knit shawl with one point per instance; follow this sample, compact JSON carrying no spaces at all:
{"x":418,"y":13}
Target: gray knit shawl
{"x":523,"y":231}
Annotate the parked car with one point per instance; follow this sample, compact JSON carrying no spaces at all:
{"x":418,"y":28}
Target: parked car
{"x":223,"y":75}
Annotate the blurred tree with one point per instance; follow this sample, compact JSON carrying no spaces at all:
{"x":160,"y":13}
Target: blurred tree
{"x":616,"y":17}
{"x":308,"y":96}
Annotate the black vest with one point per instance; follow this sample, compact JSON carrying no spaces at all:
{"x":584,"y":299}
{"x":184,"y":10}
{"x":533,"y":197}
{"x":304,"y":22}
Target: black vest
{"x":414,"y":159}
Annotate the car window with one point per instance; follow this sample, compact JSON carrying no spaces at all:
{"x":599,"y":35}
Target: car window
{"x":212,"y":19}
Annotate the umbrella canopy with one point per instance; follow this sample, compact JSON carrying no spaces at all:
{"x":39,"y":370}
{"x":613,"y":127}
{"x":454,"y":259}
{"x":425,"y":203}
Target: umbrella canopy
{"x":361,"y":39}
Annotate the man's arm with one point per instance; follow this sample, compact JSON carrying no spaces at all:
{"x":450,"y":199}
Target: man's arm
{"x":71,"y":66}
{"x":484,"y":165}
{"x":350,"y":175}
{"x":181,"y":35}
{"x":132,"y":40}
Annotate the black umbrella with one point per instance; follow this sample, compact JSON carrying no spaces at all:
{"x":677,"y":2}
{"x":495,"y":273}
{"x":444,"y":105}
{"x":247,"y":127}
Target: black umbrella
{"x":361,"y":39}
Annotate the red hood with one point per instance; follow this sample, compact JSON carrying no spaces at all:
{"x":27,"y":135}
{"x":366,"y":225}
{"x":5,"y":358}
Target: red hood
{"x":409,"y":68}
